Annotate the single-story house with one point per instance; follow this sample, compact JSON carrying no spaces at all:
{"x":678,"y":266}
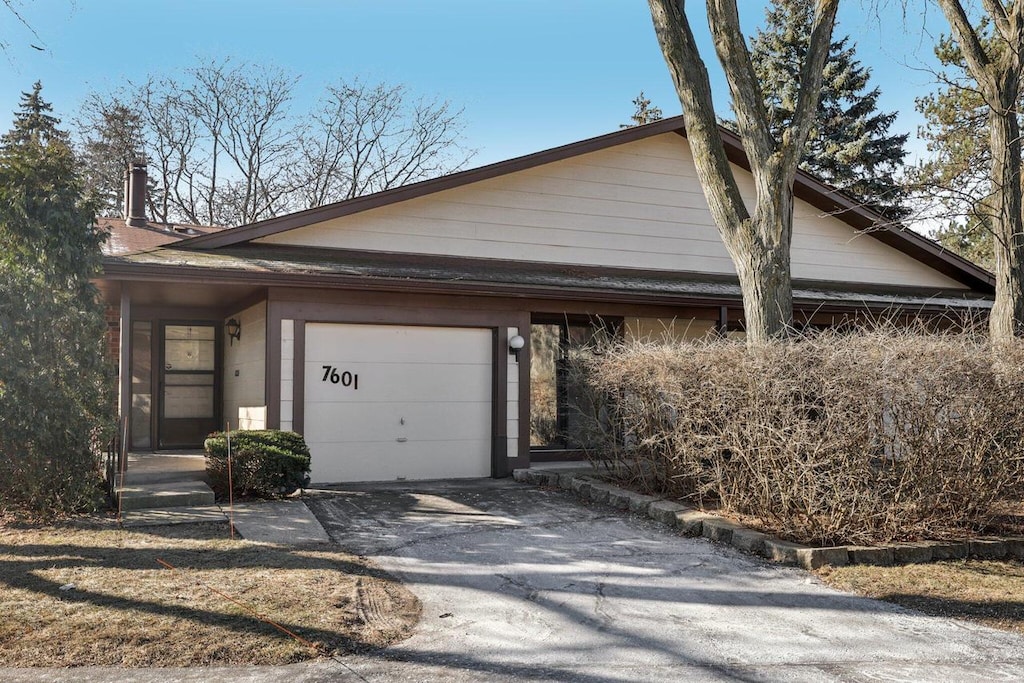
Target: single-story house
{"x":419,"y":332}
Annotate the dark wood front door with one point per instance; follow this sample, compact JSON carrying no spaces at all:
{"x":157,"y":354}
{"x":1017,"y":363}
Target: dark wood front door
{"x":189,"y":386}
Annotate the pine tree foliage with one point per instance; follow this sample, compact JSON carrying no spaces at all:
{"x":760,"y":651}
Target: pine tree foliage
{"x":54,"y":381}
{"x":643,"y":113}
{"x":956,"y":174}
{"x":850,"y":145}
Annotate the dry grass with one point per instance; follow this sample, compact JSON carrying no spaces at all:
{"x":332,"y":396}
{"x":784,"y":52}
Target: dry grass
{"x":125,"y":609}
{"x":987,"y":592}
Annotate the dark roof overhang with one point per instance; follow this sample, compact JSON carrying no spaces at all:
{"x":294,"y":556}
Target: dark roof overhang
{"x":303,"y":267}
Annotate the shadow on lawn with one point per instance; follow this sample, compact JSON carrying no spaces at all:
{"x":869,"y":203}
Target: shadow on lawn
{"x":30,"y":566}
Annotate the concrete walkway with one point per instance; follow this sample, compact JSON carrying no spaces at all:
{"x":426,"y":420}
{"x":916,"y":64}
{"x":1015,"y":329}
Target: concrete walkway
{"x":281,"y":522}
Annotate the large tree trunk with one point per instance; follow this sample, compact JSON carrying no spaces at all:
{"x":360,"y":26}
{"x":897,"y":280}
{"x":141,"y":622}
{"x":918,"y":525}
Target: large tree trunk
{"x":758,"y":244}
{"x":1007,"y":318}
{"x":997,"y":70}
{"x":761,"y":254}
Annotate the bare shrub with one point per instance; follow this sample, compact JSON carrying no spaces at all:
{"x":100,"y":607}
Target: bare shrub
{"x":828,"y":438}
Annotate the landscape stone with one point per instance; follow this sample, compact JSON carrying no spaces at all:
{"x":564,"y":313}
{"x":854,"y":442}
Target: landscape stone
{"x":781,"y":551}
{"x":749,"y":540}
{"x":639,"y":502}
{"x":599,"y":491}
{"x":691,"y":522}
{"x":565,"y":480}
{"x":988,"y":549}
{"x":718,"y":529}
{"x":664,"y":511}
{"x":1015,"y":547}
{"x":949,"y":551}
{"x":618,"y":498}
{"x":581,"y":486}
{"x":815,"y":558}
{"x":880,"y":556}
{"x":912,"y":553}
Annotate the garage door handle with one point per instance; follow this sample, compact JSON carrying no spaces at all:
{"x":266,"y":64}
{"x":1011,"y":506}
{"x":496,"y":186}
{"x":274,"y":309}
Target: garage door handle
{"x":401,"y":439}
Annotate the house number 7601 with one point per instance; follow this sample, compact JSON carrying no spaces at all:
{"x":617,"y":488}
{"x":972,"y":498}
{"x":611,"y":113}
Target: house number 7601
{"x":345,"y":379}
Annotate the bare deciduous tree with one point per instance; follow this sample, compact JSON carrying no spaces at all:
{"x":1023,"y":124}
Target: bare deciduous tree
{"x":225,"y":148}
{"x":995,"y":63}
{"x":367,"y":138}
{"x":758,"y":243}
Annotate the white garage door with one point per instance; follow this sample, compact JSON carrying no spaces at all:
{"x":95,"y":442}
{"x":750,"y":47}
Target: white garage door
{"x":385,"y":402}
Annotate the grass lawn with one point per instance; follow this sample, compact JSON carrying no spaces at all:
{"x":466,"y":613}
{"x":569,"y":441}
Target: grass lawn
{"x":987,"y":592}
{"x":91,"y":594}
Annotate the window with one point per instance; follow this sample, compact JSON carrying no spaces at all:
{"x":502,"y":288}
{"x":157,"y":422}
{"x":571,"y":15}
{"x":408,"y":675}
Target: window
{"x":560,"y":409}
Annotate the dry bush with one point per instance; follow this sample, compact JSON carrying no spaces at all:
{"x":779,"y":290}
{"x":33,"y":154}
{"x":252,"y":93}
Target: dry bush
{"x":827,"y":438}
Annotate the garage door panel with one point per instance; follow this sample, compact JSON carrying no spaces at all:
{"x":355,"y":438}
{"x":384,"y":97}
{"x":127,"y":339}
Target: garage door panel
{"x":384,"y":421}
{"x":397,"y":402}
{"x":378,"y":382}
{"x":383,"y":462}
{"x":415,"y":345}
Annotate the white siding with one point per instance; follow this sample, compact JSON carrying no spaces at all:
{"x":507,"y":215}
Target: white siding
{"x":287,"y":369}
{"x":637,"y":205}
{"x":245,"y":363}
{"x":512,"y":397}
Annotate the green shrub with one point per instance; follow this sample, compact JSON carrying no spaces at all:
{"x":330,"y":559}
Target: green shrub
{"x":831,"y":438}
{"x":264,"y":463}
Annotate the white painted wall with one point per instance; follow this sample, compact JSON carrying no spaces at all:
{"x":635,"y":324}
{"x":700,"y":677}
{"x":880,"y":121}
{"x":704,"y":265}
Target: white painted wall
{"x":287,"y":370}
{"x":512,"y":398}
{"x":245,"y":363}
{"x":410,"y":402}
{"x":637,"y":205}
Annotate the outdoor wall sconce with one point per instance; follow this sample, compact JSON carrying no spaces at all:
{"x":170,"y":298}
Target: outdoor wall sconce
{"x":515,"y":345}
{"x":234,"y":329}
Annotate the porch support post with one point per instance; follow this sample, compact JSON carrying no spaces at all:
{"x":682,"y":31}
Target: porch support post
{"x":723,"y":321}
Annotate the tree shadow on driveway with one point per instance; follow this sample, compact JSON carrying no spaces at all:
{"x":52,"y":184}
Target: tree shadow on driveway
{"x":520,"y":581}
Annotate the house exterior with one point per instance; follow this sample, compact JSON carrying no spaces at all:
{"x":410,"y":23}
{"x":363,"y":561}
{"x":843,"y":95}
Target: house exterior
{"x":383,"y":328}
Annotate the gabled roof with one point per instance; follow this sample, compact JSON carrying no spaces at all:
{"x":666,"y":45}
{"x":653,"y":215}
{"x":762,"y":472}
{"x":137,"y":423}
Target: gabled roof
{"x":807,"y":187}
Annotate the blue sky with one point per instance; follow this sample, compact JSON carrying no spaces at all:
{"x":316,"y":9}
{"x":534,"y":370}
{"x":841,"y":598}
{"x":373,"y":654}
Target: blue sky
{"x":531,"y":74}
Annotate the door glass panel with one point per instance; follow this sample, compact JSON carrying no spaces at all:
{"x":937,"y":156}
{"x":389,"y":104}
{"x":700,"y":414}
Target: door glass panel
{"x":188,"y":401}
{"x":189,"y":347}
{"x":142,"y":385}
{"x":188,"y":409}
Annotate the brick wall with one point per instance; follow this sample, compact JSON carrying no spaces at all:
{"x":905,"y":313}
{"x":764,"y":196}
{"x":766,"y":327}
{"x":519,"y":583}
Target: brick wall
{"x":113,"y":316}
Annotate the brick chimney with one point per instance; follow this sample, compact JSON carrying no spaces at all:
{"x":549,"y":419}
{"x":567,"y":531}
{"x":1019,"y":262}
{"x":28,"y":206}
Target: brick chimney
{"x":135,"y":194}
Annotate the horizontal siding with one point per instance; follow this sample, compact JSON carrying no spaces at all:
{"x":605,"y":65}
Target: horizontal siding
{"x":638,"y":205}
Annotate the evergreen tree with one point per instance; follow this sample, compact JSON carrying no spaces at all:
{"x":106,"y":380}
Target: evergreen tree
{"x":54,"y":389}
{"x":849,"y":146}
{"x":112,"y":139}
{"x":956,"y":175}
{"x":644,"y":112}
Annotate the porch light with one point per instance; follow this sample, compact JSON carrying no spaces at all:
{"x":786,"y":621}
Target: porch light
{"x":515,"y":344}
{"x":234,"y":329}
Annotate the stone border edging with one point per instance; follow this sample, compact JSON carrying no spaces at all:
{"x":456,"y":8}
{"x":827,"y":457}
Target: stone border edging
{"x":693,"y":522}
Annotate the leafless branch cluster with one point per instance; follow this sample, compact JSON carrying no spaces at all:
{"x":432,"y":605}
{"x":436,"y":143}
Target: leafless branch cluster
{"x":225,"y":146}
{"x":868,"y":437}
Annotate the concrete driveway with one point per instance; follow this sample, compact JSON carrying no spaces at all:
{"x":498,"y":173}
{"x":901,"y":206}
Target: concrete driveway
{"x":519,"y":583}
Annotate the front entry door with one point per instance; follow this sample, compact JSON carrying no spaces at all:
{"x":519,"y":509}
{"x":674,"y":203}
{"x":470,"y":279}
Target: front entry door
{"x":188,"y":384}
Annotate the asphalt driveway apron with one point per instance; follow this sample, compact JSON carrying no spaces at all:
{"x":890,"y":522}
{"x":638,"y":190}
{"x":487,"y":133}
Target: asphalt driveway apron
{"x":520,"y":583}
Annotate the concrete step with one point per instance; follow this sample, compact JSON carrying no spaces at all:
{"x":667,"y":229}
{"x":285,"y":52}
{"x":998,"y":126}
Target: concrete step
{"x":165,"y":516}
{"x":165,"y":495}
